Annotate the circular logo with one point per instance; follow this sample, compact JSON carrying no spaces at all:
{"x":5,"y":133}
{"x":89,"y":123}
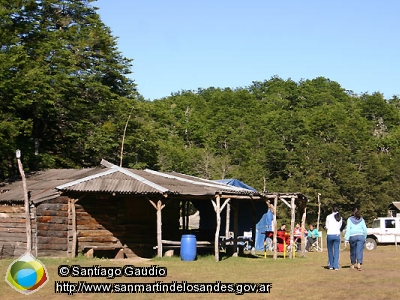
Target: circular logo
{"x":26,"y":274}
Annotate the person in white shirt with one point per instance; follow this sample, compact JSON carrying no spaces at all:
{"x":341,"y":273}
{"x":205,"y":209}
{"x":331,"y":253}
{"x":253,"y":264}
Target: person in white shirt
{"x":333,"y":225}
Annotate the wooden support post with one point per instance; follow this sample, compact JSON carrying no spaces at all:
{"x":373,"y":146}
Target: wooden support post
{"x":303,"y":226}
{"x":228,"y":220}
{"x":69,"y":235}
{"x":284,"y":248}
{"x":217,"y":207}
{"x":26,"y":202}
{"x":292,"y":219}
{"x":187,"y":215}
{"x":159,"y":206}
{"x":159,"y":228}
{"x":319,"y":211}
{"x":183,"y":208}
{"x":235,"y":223}
{"x":34,"y":230}
{"x":253,"y":230}
{"x":74,"y":233}
{"x":270,"y":206}
{"x":275,"y":227}
{"x":72,"y":228}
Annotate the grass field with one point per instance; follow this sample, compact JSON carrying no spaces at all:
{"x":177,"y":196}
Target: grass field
{"x":299,"y":278}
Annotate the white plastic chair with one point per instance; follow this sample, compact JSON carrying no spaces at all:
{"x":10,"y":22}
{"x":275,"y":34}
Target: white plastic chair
{"x":318,"y":244}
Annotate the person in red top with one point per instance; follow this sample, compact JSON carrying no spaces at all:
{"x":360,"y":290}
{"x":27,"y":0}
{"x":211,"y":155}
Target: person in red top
{"x":282,"y":228}
{"x":282,"y":237}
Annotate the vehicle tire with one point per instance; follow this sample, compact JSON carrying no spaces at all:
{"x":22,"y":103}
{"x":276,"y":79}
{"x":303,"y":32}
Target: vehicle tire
{"x":370,"y":244}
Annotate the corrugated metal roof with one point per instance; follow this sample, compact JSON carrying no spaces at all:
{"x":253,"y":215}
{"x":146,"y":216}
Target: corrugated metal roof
{"x":41,"y":185}
{"x":200,"y":181}
{"x":46,"y":185}
{"x":132,"y":181}
{"x":50,"y":184}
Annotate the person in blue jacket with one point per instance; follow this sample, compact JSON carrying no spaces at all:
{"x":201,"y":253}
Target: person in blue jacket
{"x":312,"y":236}
{"x":356,"y":234}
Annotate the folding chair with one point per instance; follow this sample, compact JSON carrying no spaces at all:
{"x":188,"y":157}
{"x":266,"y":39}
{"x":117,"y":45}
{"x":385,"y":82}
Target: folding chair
{"x":318,"y":244}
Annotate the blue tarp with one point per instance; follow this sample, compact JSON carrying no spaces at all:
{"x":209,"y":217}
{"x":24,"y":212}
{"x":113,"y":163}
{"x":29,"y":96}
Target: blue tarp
{"x":238,"y":183}
{"x":264,"y":216}
{"x":265,"y":224}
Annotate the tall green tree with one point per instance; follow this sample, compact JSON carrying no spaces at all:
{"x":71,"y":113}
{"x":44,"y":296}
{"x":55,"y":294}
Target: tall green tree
{"x":278,"y":135}
{"x":65,"y":94}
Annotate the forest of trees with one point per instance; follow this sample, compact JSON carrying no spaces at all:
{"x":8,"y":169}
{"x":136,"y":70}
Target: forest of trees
{"x":65,"y":99}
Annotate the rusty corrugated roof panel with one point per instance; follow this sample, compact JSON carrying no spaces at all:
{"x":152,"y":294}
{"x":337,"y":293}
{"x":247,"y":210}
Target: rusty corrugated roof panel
{"x":113,"y":179}
{"x":131,"y":181}
{"x":41,"y":185}
{"x":205,"y":182}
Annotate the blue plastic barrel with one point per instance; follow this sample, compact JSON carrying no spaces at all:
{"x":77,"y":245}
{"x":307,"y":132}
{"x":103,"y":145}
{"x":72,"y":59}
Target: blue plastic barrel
{"x":188,"y":247}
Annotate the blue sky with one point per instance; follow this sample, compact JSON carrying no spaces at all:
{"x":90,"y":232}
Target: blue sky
{"x":189,"y":44}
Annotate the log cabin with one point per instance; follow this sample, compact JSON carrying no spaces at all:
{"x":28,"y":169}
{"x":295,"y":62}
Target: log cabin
{"x":127,"y":212}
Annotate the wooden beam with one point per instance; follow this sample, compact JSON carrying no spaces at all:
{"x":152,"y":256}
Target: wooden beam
{"x":216,"y":238}
{"x":225,"y":203}
{"x":159,"y":206}
{"x":214,"y":205}
{"x":34,"y":229}
{"x":177,"y":243}
{"x":228,"y":220}
{"x":253,"y":229}
{"x":159,"y":226}
{"x":241,"y":197}
{"x":152,"y":203}
{"x":26,"y":202}
{"x":187,"y":215}
{"x":303,"y":226}
{"x":69,"y":234}
{"x":292,"y":219}
{"x":284,"y":201}
{"x":236,"y":223}
{"x":74,"y":232}
{"x":183,"y":208}
{"x":319,"y":210}
{"x":270,"y":206}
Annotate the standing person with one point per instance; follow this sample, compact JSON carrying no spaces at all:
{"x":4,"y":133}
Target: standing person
{"x":333,"y":224}
{"x":356,"y":234}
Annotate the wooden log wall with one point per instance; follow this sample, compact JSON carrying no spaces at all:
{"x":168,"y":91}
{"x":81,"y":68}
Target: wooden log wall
{"x":99,"y":221}
{"x":12,"y":231}
{"x":96,"y":220}
{"x":33,"y":229}
{"x":52,"y":228}
{"x":128,"y":222}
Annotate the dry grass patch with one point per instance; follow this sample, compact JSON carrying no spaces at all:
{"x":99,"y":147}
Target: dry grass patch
{"x":299,"y":278}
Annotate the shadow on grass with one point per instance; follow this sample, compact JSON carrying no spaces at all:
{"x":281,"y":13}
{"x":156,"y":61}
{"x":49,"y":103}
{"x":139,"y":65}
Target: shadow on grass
{"x":341,"y":267}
